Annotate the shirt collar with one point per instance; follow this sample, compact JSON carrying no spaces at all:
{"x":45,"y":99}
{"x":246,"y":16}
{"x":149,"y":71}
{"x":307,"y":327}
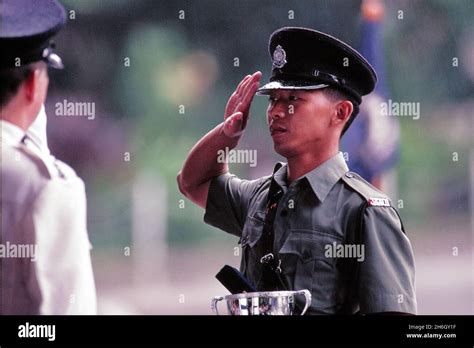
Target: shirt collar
{"x":11,"y":134}
{"x":322,"y":178}
{"x":279,"y":174}
{"x":325,"y":176}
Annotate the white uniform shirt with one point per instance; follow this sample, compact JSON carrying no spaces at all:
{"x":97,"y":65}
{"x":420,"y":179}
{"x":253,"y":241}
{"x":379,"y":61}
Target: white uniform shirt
{"x":44,"y":248}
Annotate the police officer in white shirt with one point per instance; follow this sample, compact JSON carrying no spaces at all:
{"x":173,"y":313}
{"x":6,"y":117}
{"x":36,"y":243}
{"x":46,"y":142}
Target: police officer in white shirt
{"x":45,"y":265}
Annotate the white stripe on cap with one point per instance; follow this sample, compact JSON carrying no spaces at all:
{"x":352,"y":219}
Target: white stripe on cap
{"x":275,"y":85}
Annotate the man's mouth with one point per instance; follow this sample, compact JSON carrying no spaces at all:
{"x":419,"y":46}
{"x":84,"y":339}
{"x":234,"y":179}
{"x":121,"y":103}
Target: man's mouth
{"x":277,"y":130}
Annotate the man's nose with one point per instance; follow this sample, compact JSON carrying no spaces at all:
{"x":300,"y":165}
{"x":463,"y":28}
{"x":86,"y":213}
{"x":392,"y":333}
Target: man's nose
{"x":279,"y":110}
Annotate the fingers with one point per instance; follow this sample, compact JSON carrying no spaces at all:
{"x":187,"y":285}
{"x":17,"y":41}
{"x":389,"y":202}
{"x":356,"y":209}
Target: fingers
{"x":251,"y":89}
{"x":240,"y":86}
{"x":246,"y":82}
{"x":248,"y":85}
{"x":245,"y":85}
{"x":235,"y":97}
{"x":241,"y":99}
{"x":249,"y":92}
{"x":248,"y":97}
{"x":231,"y":105}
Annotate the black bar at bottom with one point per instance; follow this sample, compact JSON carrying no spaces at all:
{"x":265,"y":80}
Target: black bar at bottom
{"x":218,"y":330}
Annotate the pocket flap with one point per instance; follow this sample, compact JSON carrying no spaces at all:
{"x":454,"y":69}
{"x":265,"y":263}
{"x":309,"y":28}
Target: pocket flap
{"x":308,"y":245}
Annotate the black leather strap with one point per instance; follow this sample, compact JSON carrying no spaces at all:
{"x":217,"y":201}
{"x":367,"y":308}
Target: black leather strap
{"x":271,"y":271}
{"x":353,"y":284}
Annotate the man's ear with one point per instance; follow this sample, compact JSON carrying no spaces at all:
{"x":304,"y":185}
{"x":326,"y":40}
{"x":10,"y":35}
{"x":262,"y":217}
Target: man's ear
{"x":343,"y":112}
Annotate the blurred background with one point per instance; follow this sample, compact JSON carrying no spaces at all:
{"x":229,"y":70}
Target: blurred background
{"x":159,"y":74}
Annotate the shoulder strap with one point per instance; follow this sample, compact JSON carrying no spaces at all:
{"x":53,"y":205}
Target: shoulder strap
{"x":372,"y":195}
{"x":271,"y":268}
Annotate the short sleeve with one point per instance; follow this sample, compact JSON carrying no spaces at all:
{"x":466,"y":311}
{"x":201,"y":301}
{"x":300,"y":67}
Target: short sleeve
{"x":228,"y":202}
{"x":387,"y":274}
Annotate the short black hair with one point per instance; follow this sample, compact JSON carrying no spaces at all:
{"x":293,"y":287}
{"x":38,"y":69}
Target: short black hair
{"x":336,"y":94}
{"x":10,"y":81}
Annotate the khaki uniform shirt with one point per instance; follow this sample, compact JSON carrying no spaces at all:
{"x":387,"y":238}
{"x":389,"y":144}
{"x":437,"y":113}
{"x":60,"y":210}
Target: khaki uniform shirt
{"x":335,"y":234}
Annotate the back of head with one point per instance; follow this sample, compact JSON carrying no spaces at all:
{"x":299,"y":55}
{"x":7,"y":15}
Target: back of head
{"x":26,"y":29}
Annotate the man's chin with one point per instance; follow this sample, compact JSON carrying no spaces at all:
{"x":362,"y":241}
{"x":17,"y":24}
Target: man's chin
{"x":283,"y":150}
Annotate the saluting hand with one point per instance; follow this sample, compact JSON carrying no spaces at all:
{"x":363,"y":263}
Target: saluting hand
{"x":237,"y":110}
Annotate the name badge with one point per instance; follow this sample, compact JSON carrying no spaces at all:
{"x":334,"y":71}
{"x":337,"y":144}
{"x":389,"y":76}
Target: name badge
{"x":379,"y":202}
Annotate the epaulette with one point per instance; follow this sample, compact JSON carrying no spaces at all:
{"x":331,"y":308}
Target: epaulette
{"x":371,"y":195}
{"x":43,"y":167}
{"x":48,"y":164}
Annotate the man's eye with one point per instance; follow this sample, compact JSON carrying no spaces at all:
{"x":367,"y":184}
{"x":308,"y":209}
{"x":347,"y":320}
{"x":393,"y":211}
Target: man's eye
{"x":272,"y":98}
{"x":293,"y":98}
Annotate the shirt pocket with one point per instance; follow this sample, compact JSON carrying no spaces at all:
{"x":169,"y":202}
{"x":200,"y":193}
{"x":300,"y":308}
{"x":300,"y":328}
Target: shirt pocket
{"x":310,"y":268}
{"x":251,"y":234}
{"x":253,"y":229}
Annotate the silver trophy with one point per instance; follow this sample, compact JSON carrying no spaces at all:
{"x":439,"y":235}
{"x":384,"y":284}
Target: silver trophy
{"x":262,"y":303}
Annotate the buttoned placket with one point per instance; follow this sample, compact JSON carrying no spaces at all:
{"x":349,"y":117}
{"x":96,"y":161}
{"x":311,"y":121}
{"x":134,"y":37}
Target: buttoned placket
{"x":283,"y":216}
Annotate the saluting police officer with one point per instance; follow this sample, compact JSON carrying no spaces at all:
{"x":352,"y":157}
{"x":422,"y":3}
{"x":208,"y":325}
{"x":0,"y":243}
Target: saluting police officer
{"x":43,"y":201}
{"x":299,"y":227}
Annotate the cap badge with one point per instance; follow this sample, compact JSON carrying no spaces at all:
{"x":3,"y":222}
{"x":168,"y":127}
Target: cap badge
{"x":279,"y":57}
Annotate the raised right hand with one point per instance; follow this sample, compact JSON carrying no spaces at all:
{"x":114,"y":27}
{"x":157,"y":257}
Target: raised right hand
{"x":237,"y":112}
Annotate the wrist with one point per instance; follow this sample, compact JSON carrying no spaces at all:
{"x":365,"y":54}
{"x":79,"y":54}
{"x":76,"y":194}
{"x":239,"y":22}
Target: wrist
{"x":230,"y":142}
